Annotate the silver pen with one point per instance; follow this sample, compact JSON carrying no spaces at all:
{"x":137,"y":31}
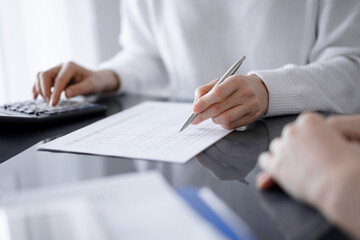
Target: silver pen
{"x":229,"y":72}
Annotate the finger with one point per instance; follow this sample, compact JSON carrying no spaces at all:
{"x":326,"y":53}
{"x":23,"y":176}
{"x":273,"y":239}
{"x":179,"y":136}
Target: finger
{"x":66,"y":73}
{"x":201,"y":91}
{"x":35,"y":93}
{"x":348,"y":126}
{"x":275,"y":146}
{"x":264,"y":181}
{"x":216,"y":94}
{"x":268,"y":163}
{"x":46,"y":82}
{"x":228,"y":118}
{"x":289,"y":130}
{"x":242,"y":121}
{"x":310,"y":119}
{"x":264,"y":160}
{"x":81,"y":88}
{"x":37,"y":84}
{"x":218,"y":108}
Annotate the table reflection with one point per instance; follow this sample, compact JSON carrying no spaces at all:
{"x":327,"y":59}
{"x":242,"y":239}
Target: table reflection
{"x":234,"y":156}
{"x":232,"y":160}
{"x":294,"y":219}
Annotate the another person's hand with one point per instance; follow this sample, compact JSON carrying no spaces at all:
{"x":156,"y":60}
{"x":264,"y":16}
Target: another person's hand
{"x":238,"y":101}
{"x":348,"y":126}
{"x":317,"y":165}
{"x":74,"y":80}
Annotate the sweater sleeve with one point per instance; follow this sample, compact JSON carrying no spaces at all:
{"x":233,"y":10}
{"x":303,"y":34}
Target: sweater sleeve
{"x":331,"y":79}
{"x":138,"y":65}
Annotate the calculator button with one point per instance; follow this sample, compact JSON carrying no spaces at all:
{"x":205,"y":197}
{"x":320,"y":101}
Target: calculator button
{"x":29,"y":111}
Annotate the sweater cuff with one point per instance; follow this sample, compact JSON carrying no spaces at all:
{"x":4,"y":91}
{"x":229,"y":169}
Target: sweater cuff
{"x":120,"y":72}
{"x":283,"y":93}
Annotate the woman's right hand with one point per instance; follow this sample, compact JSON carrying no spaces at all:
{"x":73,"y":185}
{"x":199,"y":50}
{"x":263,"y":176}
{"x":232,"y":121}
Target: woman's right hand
{"x":74,"y":80}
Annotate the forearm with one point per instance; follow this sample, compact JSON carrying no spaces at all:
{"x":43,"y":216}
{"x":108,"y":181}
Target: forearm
{"x":328,"y":79}
{"x":330,"y":86}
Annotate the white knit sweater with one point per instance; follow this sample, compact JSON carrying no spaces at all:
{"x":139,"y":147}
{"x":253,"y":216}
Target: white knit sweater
{"x":307,"y":52}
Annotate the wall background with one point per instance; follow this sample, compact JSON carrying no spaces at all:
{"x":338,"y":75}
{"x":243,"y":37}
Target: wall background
{"x":108,"y":27}
{"x":39,"y":34}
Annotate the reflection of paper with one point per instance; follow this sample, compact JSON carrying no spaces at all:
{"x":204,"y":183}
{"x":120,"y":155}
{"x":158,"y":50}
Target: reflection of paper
{"x":69,"y":218}
{"x":147,"y":131}
{"x":134,"y":206}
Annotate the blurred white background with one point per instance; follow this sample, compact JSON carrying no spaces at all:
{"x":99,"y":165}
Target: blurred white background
{"x":38,"y":34}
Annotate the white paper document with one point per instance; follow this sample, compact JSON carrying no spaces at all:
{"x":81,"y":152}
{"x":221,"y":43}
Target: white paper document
{"x":149,"y":131}
{"x":132,"y":206}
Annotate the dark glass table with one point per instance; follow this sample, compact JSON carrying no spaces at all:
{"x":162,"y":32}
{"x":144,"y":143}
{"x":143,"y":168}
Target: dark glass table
{"x":228,"y":167}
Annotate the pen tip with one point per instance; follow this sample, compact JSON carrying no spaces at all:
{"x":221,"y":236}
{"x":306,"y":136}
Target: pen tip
{"x":182,"y":128}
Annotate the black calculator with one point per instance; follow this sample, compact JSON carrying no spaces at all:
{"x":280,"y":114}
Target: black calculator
{"x":38,"y":111}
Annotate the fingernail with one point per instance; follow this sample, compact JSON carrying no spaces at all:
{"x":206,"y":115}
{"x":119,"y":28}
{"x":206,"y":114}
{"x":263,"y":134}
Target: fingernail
{"x":51,"y":102}
{"x":70,"y":93}
{"x":264,"y":181}
{"x":260,"y":181}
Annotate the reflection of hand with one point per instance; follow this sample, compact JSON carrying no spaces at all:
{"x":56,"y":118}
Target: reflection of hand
{"x":74,"y":80}
{"x":238,"y":101}
{"x":225,"y":167}
{"x":233,"y":157}
{"x":316,"y":164}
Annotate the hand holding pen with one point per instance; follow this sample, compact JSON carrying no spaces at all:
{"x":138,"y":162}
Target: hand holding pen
{"x":235,"y":102}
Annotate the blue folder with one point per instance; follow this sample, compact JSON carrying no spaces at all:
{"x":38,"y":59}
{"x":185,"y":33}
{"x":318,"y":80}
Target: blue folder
{"x":191,"y":196}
